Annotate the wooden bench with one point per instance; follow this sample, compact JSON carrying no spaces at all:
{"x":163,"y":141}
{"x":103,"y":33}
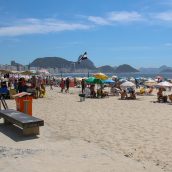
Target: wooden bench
{"x":29,"y":124}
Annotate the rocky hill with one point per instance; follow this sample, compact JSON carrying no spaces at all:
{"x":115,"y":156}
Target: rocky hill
{"x":161,"y":69}
{"x":57,"y":62}
{"x":70,"y":66}
{"x":125,"y":68}
{"x":106,"y":69}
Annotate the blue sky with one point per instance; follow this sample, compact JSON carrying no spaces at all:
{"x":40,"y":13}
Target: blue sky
{"x":112,"y":32}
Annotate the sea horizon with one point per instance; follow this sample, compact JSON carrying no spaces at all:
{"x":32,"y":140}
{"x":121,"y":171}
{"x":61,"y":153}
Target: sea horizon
{"x":120,"y":75}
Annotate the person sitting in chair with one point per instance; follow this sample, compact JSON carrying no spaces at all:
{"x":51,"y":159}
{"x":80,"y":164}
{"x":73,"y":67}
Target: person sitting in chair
{"x":132,"y":95}
{"x":4,"y":90}
{"x":160,"y":96}
{"x":92,"y":91}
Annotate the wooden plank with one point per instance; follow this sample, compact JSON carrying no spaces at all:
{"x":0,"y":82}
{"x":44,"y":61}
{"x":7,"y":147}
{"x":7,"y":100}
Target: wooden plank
{"x":21,"y":119}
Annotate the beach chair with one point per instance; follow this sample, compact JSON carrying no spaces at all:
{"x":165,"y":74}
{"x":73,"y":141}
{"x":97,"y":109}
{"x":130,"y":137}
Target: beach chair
{"x":3,"y":102}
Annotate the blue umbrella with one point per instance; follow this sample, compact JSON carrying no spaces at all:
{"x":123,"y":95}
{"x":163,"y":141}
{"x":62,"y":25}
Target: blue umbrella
{"x":109,"y":81}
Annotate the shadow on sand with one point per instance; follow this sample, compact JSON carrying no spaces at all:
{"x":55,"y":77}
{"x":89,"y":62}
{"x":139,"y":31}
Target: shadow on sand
{"x":15,"y":133}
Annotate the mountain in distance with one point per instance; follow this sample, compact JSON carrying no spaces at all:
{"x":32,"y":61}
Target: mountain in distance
{"x":106,"y":69}
{"x":167,"y":71}
{"x":125,"y":68}
{"x":70,"y":66}
{"x":161,"y":69}
{"x":58,"y":62}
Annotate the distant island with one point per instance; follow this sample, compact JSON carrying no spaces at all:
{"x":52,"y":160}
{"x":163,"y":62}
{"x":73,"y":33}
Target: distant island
{"x":62,"y":65}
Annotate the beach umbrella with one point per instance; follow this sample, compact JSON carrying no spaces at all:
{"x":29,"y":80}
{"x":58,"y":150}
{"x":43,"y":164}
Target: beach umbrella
{"x":43,"y":71}
{"x":122,"y":80}
{"x":114,"y":77}
{"x":26,"y":73}
{"x":93,"y":80}
{"x":5,"y":71}
{"x":164,"y":84}
{"x":101,"y":76}
{"x":79,"y":79}
{"x":108,"y":81}
{"x":150,"y":83}
{"x":127,"y":84}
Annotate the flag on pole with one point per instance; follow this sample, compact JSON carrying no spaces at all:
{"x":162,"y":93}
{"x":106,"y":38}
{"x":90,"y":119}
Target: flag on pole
{"x":82,"y":57}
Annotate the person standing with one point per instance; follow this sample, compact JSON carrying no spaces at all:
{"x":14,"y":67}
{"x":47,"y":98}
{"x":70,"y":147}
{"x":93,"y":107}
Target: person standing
{"x":83,"y":85}
{"x":62,"y":85}
{"x":67,"y":85}
{"x":51,"y":85}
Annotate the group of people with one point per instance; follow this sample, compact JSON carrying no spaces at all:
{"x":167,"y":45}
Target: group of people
{"x":65,"y":84}
{"x":35,"y":86}
{"x":124,"y":94}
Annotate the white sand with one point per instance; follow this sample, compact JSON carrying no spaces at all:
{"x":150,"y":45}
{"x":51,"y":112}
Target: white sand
{"x":101,"y":135}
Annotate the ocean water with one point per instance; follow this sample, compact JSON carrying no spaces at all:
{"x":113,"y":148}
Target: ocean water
{"x":120,"y":75}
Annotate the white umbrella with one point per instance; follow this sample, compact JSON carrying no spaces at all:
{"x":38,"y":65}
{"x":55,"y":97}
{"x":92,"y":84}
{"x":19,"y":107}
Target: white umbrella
{"x":114,"y":77}
{"x":164,"y":84}
{"x":127,"y":84}
{"x":150,"y":82}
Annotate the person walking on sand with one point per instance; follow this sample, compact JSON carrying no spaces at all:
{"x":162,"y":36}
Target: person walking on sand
{"x":62,"y":85}
{"x":67,"y":85}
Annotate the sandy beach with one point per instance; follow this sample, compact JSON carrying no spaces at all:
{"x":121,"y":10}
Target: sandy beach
{"x":97,"y":135}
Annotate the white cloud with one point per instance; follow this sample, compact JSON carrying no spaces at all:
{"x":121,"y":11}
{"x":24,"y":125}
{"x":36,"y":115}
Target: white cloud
{"x":124,"y":16}
{"x":36,"y":26}
{"x":98,"y":20}
{"x":113,"y":17}
{"x":163,"y":16}
{"x":49,"y":25}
